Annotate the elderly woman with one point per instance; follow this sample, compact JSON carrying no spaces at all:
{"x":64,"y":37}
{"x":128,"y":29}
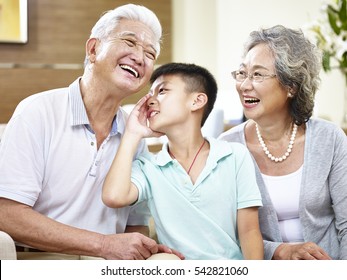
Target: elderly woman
{"x":301,"y":162}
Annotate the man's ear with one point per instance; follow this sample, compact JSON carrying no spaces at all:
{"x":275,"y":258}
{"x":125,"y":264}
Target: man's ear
{"x":199,"y":101}
{"x":91,"y":46}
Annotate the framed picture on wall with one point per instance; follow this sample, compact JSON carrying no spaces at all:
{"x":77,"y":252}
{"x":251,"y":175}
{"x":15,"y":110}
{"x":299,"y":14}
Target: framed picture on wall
{"x":14,"y":21}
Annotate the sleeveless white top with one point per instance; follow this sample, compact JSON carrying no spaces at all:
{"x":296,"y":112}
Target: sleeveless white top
{"x":284,"y":192}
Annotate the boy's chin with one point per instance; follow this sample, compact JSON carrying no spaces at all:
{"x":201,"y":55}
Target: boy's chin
{"x":154,"y":128}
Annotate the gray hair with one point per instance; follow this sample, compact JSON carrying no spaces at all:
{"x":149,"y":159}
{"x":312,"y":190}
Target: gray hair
{"x":110,"y":19}
{"x":297,"y":64}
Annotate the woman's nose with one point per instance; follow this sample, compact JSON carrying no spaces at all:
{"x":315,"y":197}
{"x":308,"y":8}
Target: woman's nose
{"x":246,"y":84}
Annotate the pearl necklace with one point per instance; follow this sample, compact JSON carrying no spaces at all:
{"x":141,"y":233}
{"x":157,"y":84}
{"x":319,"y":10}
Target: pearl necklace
{"x":289,"y":149}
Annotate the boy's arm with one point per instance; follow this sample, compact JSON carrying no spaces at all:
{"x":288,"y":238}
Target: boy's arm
{"x":249,"y":234}
{"x":118,"y":191}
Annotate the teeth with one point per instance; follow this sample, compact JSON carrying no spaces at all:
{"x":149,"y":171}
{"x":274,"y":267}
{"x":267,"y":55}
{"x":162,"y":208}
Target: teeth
{"x":251,"y":100}
{"x":153,"y":113}
{"x":127,"y":67}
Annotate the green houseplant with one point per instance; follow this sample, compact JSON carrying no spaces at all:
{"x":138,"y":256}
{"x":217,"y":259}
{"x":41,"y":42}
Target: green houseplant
{"x":331,"y":34}
{"x":330,"y":31}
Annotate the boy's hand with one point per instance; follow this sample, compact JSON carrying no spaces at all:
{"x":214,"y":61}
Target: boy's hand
{"x":137,"y":121}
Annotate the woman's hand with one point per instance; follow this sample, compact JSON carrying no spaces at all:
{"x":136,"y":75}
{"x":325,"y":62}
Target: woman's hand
{"x":300,"y":251}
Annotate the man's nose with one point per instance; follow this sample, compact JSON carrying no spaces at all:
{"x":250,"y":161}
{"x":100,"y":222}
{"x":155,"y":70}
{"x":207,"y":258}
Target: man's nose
{"x":139,"y":54}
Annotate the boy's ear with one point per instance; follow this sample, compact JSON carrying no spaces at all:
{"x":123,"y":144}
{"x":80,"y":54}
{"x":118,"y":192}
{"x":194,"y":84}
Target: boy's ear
{"x":199,"y":101}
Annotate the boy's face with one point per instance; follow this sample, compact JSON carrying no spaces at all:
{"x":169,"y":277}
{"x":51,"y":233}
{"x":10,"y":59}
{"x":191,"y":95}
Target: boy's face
{"x":170,"y":104}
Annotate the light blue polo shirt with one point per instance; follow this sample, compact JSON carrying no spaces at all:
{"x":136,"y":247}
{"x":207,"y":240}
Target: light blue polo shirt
{"x":199,"y":220}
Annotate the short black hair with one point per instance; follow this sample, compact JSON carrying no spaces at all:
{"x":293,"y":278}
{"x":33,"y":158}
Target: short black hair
{"x":197,"y":79}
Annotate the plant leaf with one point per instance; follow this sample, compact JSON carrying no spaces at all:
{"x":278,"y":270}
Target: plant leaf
{"x":333,"y":17}
{"x":326,"y":61}
{"x":343,"y":62}
{"x":343,"y":14}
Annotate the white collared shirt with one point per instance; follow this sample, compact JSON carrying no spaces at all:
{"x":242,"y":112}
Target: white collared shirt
{"x":49,"y":160}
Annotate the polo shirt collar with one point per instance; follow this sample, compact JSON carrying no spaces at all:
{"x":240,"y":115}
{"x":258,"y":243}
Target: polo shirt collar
{"x":79,"y":114}
{"x":218,"y":150}
{"x":163,"y":157}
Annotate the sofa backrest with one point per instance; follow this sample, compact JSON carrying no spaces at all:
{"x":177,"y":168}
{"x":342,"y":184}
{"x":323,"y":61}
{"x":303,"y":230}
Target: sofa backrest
{"x":2,"y":128}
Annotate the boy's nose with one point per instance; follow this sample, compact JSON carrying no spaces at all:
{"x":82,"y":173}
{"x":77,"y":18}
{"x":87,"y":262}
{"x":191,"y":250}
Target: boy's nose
{"x":151,"y":101}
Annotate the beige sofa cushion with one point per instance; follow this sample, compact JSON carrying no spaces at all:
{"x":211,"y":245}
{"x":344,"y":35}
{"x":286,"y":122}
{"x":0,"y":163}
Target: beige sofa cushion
{"x":7,"y":247}
{"x":2,"y":128}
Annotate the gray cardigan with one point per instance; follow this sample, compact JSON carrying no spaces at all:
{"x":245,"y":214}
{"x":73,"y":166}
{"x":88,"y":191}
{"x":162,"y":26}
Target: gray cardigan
{"x":323,"y":196}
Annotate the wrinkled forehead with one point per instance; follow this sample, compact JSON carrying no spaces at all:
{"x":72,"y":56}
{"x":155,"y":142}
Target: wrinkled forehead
{"x":142,"y":36}
{"x":136,"y":29}
{"x":259,"y":56}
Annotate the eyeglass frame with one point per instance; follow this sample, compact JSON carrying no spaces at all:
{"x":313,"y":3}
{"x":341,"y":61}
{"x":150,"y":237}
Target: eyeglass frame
{"x":251,"y":76}
{"x":131,"y":41}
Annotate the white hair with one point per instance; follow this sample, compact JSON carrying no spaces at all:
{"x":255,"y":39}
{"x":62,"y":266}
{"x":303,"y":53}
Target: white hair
{"x":109,"y":20}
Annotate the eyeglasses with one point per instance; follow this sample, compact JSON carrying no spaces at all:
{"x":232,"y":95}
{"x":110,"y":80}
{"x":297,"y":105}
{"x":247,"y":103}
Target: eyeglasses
{"x":131,"y":42}
{"x":257,"y":77}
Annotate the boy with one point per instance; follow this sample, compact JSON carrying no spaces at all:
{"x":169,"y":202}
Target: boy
{"x":201,"y":192}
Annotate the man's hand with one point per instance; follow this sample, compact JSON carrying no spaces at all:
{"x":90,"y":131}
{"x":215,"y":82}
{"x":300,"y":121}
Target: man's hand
{"x":300,"y":251}
{"x":164,"y":249}
{"x":132,"y":246}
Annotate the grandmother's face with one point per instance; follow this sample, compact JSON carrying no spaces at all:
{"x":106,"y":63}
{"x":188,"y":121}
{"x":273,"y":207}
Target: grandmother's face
{"x":264,"y":98}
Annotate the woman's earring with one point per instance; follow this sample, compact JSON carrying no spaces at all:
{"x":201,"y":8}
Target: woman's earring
{"x":290,"y":95}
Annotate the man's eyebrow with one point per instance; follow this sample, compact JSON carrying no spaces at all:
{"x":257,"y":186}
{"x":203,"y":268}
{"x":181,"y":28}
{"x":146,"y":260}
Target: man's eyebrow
{"x":127,"y":33}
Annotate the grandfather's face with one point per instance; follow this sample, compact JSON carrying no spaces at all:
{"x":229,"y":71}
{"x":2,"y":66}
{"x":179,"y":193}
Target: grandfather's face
{"x":125,"y":60}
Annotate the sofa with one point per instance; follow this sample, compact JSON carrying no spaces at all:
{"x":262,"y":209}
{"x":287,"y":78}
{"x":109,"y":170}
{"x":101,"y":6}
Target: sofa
{"x":7,"y":247}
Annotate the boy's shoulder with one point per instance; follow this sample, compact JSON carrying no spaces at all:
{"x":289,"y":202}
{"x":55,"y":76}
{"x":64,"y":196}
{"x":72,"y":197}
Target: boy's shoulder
{"x":222,"y":146}
{"x":234,"y":134}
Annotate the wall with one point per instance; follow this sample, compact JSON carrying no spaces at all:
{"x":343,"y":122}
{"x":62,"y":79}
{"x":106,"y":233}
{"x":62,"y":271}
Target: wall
{"x":214,"y":38}
{"x":54,"y":55}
